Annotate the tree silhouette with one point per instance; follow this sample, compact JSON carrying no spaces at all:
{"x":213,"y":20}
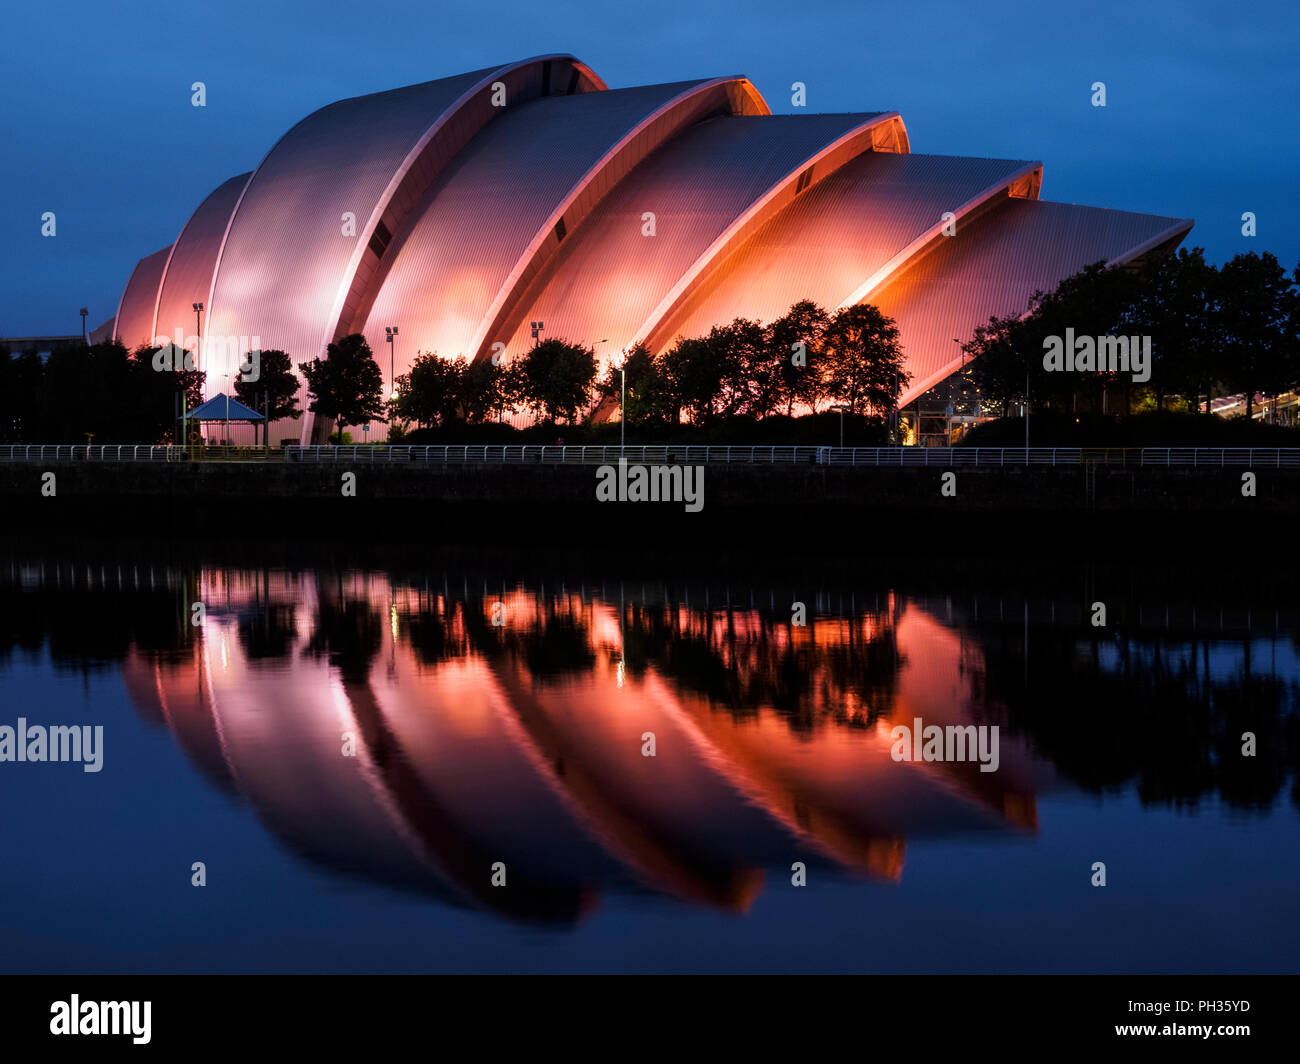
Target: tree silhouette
{"x":804,"y":323}
{"x":347,"y":385}
{"x":864,"y":359}
{"x":431,"y":392}
{"x":1256,"y":304}
{"x":276,"y":385}
{"x":557,"y":378}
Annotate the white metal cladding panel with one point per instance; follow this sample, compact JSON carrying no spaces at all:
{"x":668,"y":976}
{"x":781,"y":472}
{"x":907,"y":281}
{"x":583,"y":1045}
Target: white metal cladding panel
{"x":993,"y":266}
{"x":135,"y":314}
{"x":194,"y":257}
{"x":609,"y":277}
{"x":490,"y":204}
{"x":838,"y":233}
{"x":285,"y":256}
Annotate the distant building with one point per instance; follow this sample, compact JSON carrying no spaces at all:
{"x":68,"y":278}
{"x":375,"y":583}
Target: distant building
{"x":480,"y":211}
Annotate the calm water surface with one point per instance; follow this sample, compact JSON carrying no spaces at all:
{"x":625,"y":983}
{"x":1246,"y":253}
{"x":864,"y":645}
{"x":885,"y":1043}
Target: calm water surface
{"x":350,"y":752}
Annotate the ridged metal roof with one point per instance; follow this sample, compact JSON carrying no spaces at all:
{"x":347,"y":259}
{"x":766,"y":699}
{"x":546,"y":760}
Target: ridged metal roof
{"x":826,"y":243}
{"x":639,"y":214}
{"x":188,"y":278}
{"x":535,"y":173}
{"x":288,"y":271}
{"x":610,"y":277}
{"x":134,"y":324}
{"x":993,"y":266}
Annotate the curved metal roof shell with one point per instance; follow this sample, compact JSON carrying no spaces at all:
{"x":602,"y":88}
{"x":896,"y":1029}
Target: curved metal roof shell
{"x":613,"y":272}
{"x":842,"y":231}
{"x":639,"y":214}
{"x":193,"y":261}
{"x":134,"y":323}
{"x":499,"y":213}
{"x":319,"y":211}
{"x":995,"y":264}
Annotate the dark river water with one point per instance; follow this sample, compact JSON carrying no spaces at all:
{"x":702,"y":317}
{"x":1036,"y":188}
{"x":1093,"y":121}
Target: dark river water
{"x":352,"y":760}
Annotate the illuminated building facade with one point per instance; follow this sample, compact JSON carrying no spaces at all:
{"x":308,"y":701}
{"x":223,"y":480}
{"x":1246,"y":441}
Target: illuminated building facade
{"x":466,"y":209}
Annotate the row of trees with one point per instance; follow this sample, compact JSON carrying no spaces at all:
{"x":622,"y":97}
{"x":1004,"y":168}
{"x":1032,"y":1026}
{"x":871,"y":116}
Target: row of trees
{"x":1215,"y":330}
{"x":1228,"y":330}
{"x":111,"y":395}
{"x":745,"y":368}
{"x":102,"y":391}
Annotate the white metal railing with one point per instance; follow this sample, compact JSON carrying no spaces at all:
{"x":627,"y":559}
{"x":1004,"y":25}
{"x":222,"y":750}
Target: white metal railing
{"x":902,"y":457}
{"x":674,"y":454}
{"x":81,"y":452}
{"x":558,"y":454}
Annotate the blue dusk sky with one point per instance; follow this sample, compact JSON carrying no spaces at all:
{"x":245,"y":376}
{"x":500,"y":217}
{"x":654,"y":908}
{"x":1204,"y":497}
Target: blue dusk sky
{"x":98,"y":126}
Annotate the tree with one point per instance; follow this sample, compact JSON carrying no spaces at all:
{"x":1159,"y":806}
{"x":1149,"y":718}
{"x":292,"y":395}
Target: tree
{"x":799,"y":370}
{"x":276,"y":387}
{"x":431,"y":392}
{"x":749,"y":372}
{"x":864,"y":359}
{"x":647,"y":397}
{"x":1256,"y":308}
{"x":694,"y":381}
{"x":557,"y":377}
{"x":1096,"y":301}
{"x":159,"y":380}
{"x":489,"y":388}
{"x":95,"y":390}
{"x":346,"y":385}
{"x":1000,"y":360}
{"x":708,"y":376}
{"x":1176,"y":304}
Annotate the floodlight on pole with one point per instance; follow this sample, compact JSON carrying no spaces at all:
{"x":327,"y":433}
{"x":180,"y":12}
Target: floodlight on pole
{"x":198,"y":347}
{"x":390,"y":333}
{"x":198,"y":331}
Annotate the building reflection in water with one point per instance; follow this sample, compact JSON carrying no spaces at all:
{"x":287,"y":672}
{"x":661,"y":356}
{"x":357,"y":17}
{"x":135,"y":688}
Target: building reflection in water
{"x":420,"y":736}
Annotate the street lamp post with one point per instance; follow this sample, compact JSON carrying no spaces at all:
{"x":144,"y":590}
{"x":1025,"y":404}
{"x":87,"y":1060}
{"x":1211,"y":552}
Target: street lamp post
{"x":897,"y":441}
{"x":390,"y":332}
{"x":1026,"y":416}
{"x":84,"y":312}
{"x":840,"y":408}
{"x":198,"y":348}
{"x":198,"y":332}
{"x":961,"y":394}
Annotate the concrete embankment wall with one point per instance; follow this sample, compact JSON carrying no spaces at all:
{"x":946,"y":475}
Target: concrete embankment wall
{"x":834,"y":508}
